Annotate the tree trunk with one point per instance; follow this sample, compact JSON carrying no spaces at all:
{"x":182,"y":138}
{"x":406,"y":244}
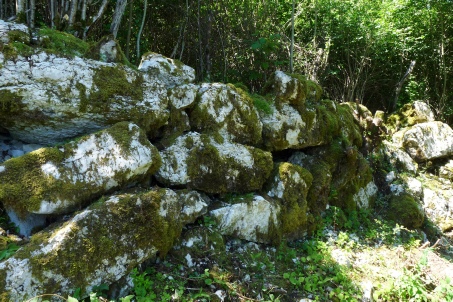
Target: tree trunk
{"x":140,"y":31}
{"x":72,"y":13}
{"x":83,"y":15}
{"x":129,"y":29}
{"x":117,"y":16}
{"x":32,"y":14}
{"x":400,"y":84}
{"x":20,"y":6}
{"x":291,"y":50}
{"x":99,"y":14}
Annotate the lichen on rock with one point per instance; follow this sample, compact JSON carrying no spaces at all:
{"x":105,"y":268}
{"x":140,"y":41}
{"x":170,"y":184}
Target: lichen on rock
{"x":94,"y":247}
{"x":59,"y":180}
{"x":254,"y":220}
{"x":289,"y":185}
{"x":214,"y":165}
{"x":227,"y":110}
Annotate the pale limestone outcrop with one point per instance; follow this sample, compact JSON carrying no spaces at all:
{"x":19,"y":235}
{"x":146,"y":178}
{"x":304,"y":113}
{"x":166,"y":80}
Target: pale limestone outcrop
{"x":50,"y":99}
{"x":100,"y":244}
{"x":213,"y":164}
{"x":254,"y":220}
{"x":62,"y":179}
{"x":427,"y":141}
{"x":170,"y":72}
{"x":228,"y":111}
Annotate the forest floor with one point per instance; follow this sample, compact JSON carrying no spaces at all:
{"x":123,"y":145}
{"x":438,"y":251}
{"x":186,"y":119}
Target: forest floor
{"x":364,"y":258}
{"x":357,"y":258}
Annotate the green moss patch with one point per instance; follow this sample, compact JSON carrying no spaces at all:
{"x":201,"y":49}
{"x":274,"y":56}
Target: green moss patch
{"x":61,"y":43}
{"x":405,"y":210}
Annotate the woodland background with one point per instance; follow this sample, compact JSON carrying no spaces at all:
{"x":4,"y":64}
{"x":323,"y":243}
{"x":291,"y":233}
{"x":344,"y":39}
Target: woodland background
{"x":382,"y":54}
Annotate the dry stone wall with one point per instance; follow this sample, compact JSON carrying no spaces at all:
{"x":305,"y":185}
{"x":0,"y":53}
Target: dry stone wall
{"x":127,"y":157}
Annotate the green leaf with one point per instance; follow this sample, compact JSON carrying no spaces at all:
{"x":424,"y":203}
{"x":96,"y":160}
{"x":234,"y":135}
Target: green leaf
{"x":72,"y":299}
{"x":126,"y":299}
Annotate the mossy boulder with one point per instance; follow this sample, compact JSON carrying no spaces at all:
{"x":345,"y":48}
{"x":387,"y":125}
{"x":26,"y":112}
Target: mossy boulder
{"x":212,"y":164}
{"x":293,"y":89}
{"x":404,"y":209}
{"x":319,"y":191}
{"x":58,"y":98}
{"x":171,"y":72}
{"x":107,"y":50}
{"x":253,"y":219}
{"x":58,"y":180}
{"x":428,"y":141}
{"x":410,"y":114}
{"x":289,"y":185}
{"x":99,"y":245}
{"x":438,"y":202}
{"x":351,"y":183}
{"x":227,"y":110}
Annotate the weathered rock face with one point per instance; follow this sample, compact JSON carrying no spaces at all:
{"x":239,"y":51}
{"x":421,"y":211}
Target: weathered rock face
{"x":289,"y":186}
{"x":47,"y":99}
{"x":428,"y":141}
{"x":229,"y":111}
{"x":94,"y":247}
{"x":254,"y":220}
{"x":169,"y":71}
{"x":411,"y":114}
{"x":214,"y":165}
{"x":60,"y":180}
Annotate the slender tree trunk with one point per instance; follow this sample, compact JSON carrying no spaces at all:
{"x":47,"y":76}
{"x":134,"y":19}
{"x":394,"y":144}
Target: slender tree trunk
{"x":140,"y":31}
{"x":72,"y":12}
{"x":99,"y":14}
{"x":291,"y":50}
{"x":52,"y":13}
{"x":20,"y":6}
{"x":129,"y":29}
{"x":200,"y":43}
{"x":32,"y":14}
{"x":117,"y":16}
{"x":83,"y":14}
{"x":400,"y":84}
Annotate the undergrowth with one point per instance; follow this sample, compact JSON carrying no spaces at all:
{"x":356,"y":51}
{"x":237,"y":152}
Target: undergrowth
{"x":333,"y":265}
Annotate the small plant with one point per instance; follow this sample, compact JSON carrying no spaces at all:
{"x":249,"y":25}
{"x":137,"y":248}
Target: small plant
{"x":9,"y":251}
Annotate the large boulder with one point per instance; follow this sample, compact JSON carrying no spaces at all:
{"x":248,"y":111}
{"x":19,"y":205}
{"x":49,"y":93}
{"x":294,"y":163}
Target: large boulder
{"x":289,"y":185}
{"x":59,"y":180}
{"x":47,"y":99}
{"x":99,"y":245}
{"x":213,"y":164}
{"x":290,"y":127}
{"x":253,"y":219}
{"x":170,"y":72}
{"x":227,"y":110}
{"x":410,"y":114}
{"x":427,"y":141}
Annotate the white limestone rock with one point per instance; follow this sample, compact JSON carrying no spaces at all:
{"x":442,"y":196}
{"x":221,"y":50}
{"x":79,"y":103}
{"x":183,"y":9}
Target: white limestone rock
{"x":427,"y":141}
{"x":365,"y":194}
{"x":213,"y":165}
{"x":228,"y":111}
{"x":438,"y":202}
{"x":171,"y":72}
{"x":54,"y":99}
{"x":251,"y":220}
{"x":446,"y":171}
{"x":103,"y":234}
{"x":183,"y":96}
{"x":398,"y":157}
{"x":60,"y":180}
{"x":6,"y":27}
